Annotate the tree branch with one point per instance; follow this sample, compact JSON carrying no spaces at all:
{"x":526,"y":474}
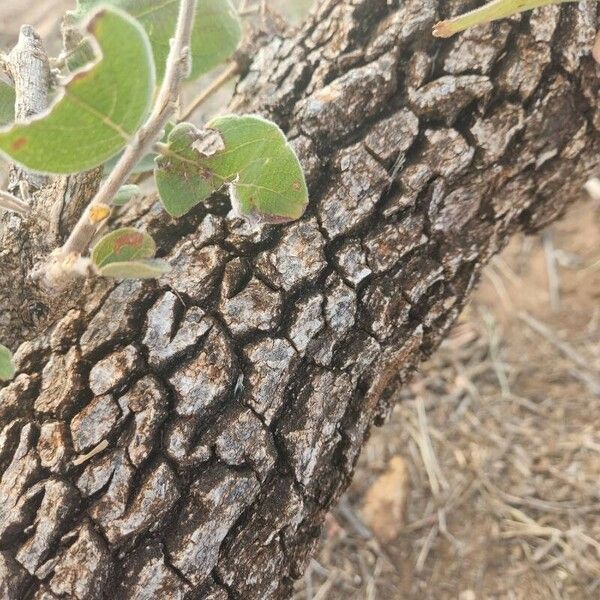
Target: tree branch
{"x":12,"y":203}
{"x":177,"y":65}
{"x":29,"y":68}
{"x":223,"y":427}
{"x":227,"y":75}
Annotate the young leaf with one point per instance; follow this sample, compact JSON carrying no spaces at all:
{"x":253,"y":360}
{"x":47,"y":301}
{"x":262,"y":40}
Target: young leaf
{"x":180,"y":179}
{"x":7,"y":367}
{"x":126,"y":194}
{"x":497,"y":9}
{"x":215,"y":37}
{"x":123,"y":245}
{"x":265,"y":176}
{"x":7,"y":103}
{"x":135,"y":269}
{"x":100,"y":108}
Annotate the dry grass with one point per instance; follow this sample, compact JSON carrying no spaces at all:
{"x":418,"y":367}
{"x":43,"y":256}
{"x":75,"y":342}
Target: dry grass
{"x":501,"y":437}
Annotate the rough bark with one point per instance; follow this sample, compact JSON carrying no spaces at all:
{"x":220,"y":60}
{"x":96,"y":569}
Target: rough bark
{"x":185,"y":439}
{"x":55,"y":204}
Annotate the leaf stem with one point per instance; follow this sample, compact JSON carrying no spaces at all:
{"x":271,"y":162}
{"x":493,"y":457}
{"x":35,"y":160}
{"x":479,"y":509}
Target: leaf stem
{"x":497,"y":9}
{"x":229,"y":73}
{"x":12,"y":203}
{"x":161,"y":148}
{"x":164,"y":108}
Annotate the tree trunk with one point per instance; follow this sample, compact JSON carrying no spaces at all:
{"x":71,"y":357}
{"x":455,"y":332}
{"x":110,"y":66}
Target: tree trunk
{"x":186,"y":438}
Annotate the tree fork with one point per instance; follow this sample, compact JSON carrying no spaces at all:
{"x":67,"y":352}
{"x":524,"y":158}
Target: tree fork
{"x":55,"y":204}
{"x":186,"y":438}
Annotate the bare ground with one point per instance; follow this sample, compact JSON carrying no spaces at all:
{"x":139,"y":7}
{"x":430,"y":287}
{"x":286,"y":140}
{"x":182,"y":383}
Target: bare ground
{"x":485,"y":482}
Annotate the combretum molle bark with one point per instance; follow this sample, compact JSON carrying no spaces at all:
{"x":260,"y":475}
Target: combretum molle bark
{"x":184,"y":437}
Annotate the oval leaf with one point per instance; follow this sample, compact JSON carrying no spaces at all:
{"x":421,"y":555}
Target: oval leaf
{"x":126,"y":194}
{"x":254,"y":157}
{"x":100,"y":108}
{"x":266,"y":177}
{"x":180,"y":181}
{"x":216,"y":34}
{"x":138,"y":269}
{"x":123,"y":245}
{"x":7,"y":103}
{"x":7,"y":366}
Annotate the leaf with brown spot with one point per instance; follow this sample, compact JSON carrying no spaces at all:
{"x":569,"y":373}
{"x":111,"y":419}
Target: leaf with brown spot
{"x":123,"y":245}
{"x":262,"y":170}
{"x":100,"y":108}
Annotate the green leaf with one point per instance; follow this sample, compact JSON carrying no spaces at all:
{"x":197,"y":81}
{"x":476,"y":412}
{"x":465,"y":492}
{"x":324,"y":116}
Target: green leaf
{"x":126,"y":194}
{"x":179,"y":178}
{"x":215,"y":37}
{"x":123,"y":245}
{"x":138,"y":269}
{"x":7,"y":366}
{"x":80,"y":56}
{"x":264,"y":173}
{"x":266,"y":176}
{"x":100,"y":109}
{"x":497,"y":9}
{"x":7,"y":103}
{"x":128,"y":254}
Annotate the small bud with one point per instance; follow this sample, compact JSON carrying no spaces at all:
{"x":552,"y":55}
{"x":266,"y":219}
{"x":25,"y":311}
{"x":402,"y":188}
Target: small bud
{"x":126,"y":194}
{"x":60,"y":270}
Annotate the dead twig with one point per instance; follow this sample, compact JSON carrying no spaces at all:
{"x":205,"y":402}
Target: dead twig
{"x":13,"y":204}
{"x":552,"y":271}
{"x":227,"y":75}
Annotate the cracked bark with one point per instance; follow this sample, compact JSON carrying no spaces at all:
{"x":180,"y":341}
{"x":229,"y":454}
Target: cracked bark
{"x":185,"y":439}
{"x":55,"y":204}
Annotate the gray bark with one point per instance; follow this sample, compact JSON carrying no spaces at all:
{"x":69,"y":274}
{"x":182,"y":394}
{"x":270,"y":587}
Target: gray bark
{"x":55,"y":206}
{"x":29,"y":69}
{"x":186,"y":438}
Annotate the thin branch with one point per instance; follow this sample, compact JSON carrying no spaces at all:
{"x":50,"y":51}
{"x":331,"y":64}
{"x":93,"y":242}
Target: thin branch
{"x":229,"y":73}
{"x":12,"y":203}
{"x":29,"y":69}
{"x":213,"y":87}
{"x":165,"y":107}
